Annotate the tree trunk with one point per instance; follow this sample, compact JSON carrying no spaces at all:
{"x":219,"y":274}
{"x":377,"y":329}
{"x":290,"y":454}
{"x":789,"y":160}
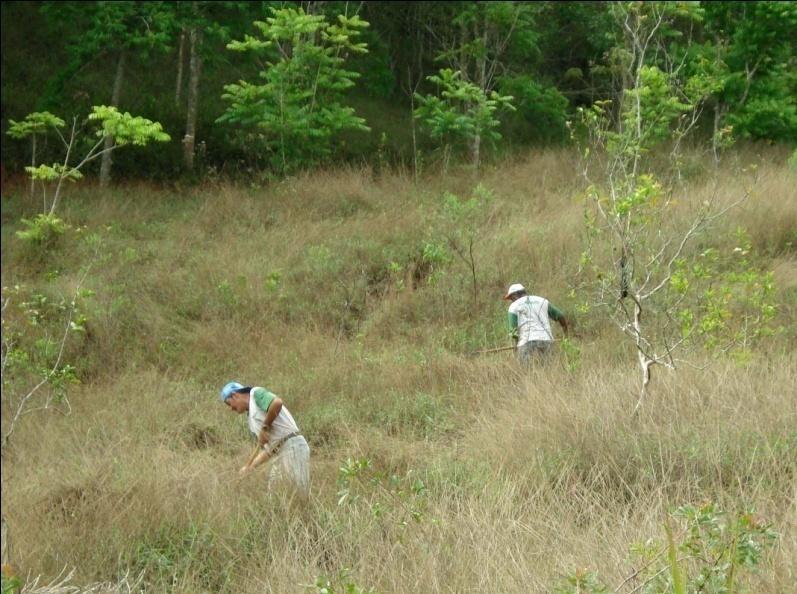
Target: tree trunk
{"x":178,"y":89}
{"x":645,"y":362}
{"x":105,"y":167}
{"x":33,"y":164}
{"x":195,"y":66}
{"x":481,"y":74}
{"x":473,"y":273}
{"x":412,"y":124}
{"x":475,"y":150}
{"x":715,"y":137}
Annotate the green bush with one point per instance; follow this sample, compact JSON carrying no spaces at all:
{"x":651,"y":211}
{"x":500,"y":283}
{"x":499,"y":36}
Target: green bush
{"x":541,"y":111}
{"x":705,"y":550}
{"x":42,"y":231}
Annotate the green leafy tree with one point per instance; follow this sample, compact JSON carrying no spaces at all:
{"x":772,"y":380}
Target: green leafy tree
{"x":36,"y":329}
{"x":461,"y":223}
{"x":34,"y":125}
{"x":123,"y":127}
{"x":756,"y":43}
{"x":462,"y":111}
{"x":486,"y":42}
{"x":569,"y":46}
{"x":540,"y":109}
{"x":298,"y":108}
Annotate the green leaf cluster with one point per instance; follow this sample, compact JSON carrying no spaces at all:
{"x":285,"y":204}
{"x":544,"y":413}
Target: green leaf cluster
{"x":462,"y":110}
{"x":42,"y":230}
{"x":399,"y":497}
{"x":125,"y":128}
{"x":342,"y":583}
{"x":34,"y":123}
{"x":297,"y":108}
{"x":651,"y":107}
{"x":540,"y":108}
{"x":54,"y":172}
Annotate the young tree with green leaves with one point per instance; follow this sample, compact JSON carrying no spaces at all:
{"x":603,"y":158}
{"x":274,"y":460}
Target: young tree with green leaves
{"x":482,"y":42}
{"x":124,"y":128}
{"x":462,"y":111}
{"x":704,"y":549}
{"x":34,"y":125}
{"x":460,"y":221}
{"x":640,"y":263}
{"x":298,"y":108}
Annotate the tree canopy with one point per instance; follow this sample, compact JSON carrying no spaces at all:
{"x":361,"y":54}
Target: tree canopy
{"x":287,"y":86}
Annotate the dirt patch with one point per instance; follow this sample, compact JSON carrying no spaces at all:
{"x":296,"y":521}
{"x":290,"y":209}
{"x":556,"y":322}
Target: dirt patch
{"x":70,"y":502}
{"x":197,"y":437}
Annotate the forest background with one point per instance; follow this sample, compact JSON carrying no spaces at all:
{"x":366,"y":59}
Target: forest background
{"x":163,"y":60}
{"x":331,"y":203}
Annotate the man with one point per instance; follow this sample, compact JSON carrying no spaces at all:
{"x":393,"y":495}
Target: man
{"x":277,"y":434}
{"x":530,"y":320}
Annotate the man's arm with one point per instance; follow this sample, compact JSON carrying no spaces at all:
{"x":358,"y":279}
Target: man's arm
{"x":565,"y":326}
{"x":271,"y":413}
{"x":513,"y":326}
{"x":261,"y":457}
{"x":555,"y":314}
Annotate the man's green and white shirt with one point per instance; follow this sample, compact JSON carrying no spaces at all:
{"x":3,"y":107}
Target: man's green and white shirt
{"x":259,"y":401}
{"x":530,"y":316}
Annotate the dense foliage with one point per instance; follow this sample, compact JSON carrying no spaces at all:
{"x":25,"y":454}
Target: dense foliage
{"x":175,"y":63}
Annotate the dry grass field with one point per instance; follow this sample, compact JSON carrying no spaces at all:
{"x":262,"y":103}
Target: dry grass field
{"x":480,"y":476}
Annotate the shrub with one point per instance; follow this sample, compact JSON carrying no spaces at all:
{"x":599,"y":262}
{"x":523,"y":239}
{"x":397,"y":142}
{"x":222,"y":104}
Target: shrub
{"x":42,"y":231}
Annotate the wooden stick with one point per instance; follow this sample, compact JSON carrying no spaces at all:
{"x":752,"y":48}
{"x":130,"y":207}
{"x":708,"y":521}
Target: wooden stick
{"x":253,"y":456}
{"x":498,"y":350}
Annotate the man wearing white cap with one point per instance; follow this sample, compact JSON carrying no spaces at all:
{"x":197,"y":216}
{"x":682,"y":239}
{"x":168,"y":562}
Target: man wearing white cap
{"x":277,"y":434}
{"x":530,"y":320}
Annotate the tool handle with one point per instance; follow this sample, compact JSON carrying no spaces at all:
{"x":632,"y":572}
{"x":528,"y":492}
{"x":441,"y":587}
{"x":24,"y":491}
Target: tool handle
{"x":509,"y":348}
{"x":255,"y":452}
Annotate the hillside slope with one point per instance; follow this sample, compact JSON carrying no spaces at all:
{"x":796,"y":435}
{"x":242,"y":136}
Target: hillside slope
{"x":337,"y":291}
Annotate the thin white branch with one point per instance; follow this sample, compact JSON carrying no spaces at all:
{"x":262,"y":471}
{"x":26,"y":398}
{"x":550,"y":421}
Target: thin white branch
{"x":23,"y":402}
{"x":63,"y":172}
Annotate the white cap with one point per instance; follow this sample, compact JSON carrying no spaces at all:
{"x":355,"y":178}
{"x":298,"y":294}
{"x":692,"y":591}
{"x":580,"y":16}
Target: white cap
{"x":516,"y":288}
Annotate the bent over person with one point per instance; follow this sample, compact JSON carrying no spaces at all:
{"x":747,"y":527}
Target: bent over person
{"x":277,"y":434}
{"x":530,"y":321}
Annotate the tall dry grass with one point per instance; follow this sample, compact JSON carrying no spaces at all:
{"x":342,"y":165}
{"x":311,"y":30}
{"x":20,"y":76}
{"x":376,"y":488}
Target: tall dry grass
{"x":483,"y":478}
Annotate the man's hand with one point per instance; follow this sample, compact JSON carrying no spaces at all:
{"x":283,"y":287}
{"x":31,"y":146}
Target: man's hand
{"x":262,"y":437}
{"x":245,"y":470}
